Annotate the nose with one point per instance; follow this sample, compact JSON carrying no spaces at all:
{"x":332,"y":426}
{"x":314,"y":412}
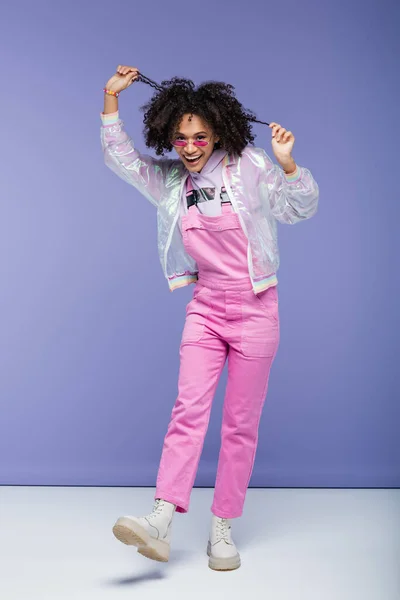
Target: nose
{"x":190,"y":148}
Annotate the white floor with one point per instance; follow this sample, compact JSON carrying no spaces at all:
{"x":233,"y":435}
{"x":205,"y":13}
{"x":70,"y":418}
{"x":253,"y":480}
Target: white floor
{"x":56,"y":543}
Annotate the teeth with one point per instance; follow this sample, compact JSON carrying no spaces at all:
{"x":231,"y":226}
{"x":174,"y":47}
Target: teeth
{"x":192,"y":159}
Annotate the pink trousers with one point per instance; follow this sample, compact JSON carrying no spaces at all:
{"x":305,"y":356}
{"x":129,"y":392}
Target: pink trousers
{"x":225,"y":320}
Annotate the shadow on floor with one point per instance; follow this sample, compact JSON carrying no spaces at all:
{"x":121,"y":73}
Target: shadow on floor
{"x":158,"y":572}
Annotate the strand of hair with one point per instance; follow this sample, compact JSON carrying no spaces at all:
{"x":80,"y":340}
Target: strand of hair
{"x":158,"y":87}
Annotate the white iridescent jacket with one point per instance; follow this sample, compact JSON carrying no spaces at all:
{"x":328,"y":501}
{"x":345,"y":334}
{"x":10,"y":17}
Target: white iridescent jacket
{"x":260,"y":191}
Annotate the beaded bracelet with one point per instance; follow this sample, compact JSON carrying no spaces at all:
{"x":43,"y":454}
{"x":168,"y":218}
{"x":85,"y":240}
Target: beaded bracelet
{"x":116,"y":94}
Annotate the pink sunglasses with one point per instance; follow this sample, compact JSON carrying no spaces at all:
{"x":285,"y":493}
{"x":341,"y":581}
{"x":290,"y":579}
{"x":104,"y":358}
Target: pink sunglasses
{"x":182,"y":143}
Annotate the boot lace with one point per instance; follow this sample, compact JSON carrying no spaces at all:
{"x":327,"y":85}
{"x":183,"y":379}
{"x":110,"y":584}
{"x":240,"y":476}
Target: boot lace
{"x":222,"y":530}
{"x":157,"y":508}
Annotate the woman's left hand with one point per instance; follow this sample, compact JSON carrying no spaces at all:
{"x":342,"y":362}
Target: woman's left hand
{"x":282,"y":142}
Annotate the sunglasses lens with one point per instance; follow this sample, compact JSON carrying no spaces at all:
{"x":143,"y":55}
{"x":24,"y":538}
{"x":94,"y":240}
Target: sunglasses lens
{"x":182,"y":143}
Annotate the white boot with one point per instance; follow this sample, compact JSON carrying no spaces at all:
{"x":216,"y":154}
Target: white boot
{"x":151,"y":534}
{"x":221,"y":549}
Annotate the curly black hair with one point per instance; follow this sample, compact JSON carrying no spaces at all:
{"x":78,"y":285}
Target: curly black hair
{"x":213,"y":101}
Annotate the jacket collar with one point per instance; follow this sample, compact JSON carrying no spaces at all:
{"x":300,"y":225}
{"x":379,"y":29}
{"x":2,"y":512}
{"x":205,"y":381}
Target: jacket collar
{"x":230,"y":159}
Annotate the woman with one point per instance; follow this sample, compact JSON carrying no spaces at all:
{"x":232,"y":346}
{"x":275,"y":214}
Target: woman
{"x":217,"y":207}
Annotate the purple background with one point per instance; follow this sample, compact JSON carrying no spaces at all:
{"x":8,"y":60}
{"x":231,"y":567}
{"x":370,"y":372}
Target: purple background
{"x":90,"y":333}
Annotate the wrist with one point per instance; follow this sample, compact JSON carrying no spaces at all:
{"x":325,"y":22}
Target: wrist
{"x":288,"y":165}
{"x":291,"y":171}
{"x":108,"y":91}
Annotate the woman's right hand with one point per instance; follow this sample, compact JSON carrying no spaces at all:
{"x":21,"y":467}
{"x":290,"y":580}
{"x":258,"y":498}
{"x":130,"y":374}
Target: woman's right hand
{"x":123,"y":78}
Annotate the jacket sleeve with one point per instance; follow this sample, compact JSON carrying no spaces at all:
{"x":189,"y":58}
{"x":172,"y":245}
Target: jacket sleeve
{"x":144,"y":172}
{"x":292,"y":198}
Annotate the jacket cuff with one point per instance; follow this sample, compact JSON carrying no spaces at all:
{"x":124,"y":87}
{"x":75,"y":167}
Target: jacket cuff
{"x":293,"y":177}
{"x":109,"y":118}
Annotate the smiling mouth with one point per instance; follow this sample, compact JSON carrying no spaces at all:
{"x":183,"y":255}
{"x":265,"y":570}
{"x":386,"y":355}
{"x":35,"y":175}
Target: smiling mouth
{"x":193,"y":161}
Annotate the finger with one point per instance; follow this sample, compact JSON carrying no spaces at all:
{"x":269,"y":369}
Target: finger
{"x":280,"y":134}
{"x":132,"y":77}
{"x":275,"y":129}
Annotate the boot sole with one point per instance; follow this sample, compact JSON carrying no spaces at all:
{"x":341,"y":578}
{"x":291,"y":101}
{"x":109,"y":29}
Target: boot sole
{"x":223,"y":564}
{"x":132,"y":534}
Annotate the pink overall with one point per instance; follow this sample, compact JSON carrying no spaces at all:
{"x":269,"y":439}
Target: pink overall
{"x":225,"y":319}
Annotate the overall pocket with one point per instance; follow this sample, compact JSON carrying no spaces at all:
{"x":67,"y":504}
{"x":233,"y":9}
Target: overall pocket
{"x":260,"y":324}
{"x":196,"y":315}
{"x":269,"y":301}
